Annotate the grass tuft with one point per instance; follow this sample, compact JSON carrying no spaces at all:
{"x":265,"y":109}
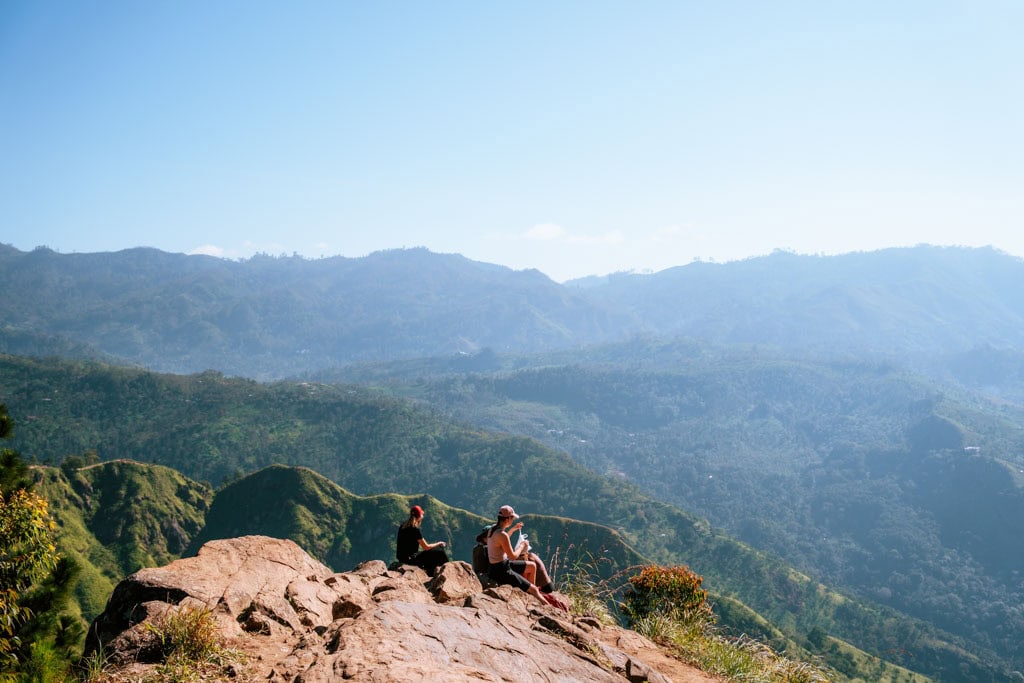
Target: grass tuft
{"x":576,"y":574}
{"x":192,"y":647}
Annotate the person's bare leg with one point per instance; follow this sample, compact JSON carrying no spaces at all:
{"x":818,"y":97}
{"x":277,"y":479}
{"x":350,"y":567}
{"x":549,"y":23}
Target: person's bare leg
{"x":543,"y":579}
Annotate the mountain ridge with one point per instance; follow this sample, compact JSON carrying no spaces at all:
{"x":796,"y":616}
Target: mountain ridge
{"x":190,"y":313}
{"x":271,"y":317}
{"x":782,"y":299}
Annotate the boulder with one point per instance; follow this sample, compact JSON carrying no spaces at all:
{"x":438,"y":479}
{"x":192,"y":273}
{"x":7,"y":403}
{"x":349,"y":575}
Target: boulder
{"x":239,"y":577}
{"x":290,"y":618}
{"x":455,"y":581}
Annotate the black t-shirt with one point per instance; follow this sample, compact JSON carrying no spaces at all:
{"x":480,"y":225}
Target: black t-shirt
{"x":408,"y":542}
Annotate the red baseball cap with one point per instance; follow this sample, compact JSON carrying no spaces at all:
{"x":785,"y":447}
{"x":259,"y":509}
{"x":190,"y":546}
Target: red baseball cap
{"x":416,"y":511}
{"x":507,"y":511}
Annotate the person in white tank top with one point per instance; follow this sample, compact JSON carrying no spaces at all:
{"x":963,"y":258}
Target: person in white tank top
{"x":505,"y":571}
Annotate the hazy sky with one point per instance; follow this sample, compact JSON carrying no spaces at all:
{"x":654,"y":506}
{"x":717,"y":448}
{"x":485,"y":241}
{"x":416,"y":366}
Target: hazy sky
{"x":573,"y":137}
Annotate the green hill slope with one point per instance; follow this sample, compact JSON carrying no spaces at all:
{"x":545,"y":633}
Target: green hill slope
{"x":343,"y":529}
{"x":116,"y":517}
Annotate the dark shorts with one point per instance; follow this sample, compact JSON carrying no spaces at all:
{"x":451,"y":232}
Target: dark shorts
{"x":510,"y":573}
{"x":428,"y":560}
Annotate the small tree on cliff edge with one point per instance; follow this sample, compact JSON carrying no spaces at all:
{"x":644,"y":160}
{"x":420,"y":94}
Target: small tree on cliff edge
{"x":673,"y":592}
{"x":27,"y":551}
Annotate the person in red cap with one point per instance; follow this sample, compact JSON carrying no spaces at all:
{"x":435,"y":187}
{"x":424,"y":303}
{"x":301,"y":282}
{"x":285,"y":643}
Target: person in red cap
{"x":410,"y":547}
{"x":518,"y":573}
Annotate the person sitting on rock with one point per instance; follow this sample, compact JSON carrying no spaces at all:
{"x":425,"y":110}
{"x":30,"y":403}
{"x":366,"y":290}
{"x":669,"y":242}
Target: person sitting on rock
{"x":542,"y":580}
{"x":412,"y":549}
{"x":504,"y":571}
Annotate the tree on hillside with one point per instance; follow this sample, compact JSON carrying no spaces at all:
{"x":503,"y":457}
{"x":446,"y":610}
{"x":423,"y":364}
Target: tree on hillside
{"x":27,"y":551}
{"x":13,"y":471}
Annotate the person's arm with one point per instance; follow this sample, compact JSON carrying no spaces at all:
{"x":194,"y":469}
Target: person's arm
{"x":430,"y":546}
{"x":519,"y":552}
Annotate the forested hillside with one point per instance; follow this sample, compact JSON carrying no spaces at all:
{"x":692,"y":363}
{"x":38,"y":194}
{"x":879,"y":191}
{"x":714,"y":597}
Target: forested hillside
{"x":343,"y":529}
{"x":213,"y":428}
{"x":861,"y":474}
{"x":118,"y":516}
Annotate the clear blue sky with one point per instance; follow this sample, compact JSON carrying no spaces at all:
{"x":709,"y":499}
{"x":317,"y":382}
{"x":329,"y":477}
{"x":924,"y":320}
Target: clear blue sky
{"x":573,"y":137}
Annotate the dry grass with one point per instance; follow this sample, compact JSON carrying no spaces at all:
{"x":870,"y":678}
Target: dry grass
{"x":191,"y":648}
{"x":694,"y":639}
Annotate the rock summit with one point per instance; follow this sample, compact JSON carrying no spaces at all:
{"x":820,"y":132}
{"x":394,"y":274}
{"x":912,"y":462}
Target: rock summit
{"x":290,"y":618}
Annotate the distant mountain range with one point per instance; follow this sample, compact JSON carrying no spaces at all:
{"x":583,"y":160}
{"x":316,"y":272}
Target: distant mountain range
{"x":269,"y":317}
{"x":272,"y":317}
{"x":934,"y":300}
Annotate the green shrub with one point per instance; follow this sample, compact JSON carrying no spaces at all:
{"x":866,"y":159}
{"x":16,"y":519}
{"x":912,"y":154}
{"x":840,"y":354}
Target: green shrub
{"x":669,"y":606}
{"x":44,"y":665}
{"x":671,"y":592}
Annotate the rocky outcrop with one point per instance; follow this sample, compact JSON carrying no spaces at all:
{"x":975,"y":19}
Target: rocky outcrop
{"x":293,"y":619}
